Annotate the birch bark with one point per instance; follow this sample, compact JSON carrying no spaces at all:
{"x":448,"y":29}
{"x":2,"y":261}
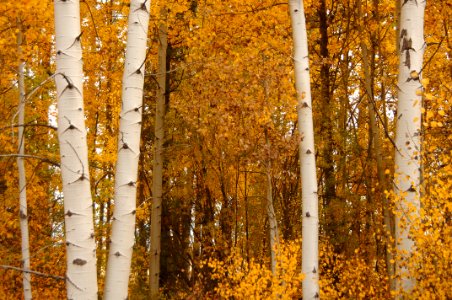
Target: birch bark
{"x":157,"y":181}
{"x":273,"y":223}
{"x":310,"y":222}
{"x":81,"y":276}
{"x":123,"y":226}
{"x":23,"y":215}
{"x":408,"y":132}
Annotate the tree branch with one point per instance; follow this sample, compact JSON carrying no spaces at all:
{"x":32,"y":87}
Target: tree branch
{"x":56,"y":277}
{"x":29,"y":125}
{"x":49,"y":161}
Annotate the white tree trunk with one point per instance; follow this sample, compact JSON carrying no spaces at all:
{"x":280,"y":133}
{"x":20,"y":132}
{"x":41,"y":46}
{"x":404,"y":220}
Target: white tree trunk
{"x":310,"y":232}
{"x":273,"y":224}
{"x":157,"y":180}
{"x":81,"y":277}
{"x":123,"y":227}
{"x":408,"y":130}
{"x":23,"y":215}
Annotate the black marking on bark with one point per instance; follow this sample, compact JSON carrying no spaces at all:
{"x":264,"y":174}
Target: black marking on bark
{"x":403,"y":33}
{"x":407,"y":46}
{"x":316,"y":295}
{"x":69,"y":213}
{"x":71,"y":126}
{"x":143,"y":6}
{"x":22,"y":215}
{"x":131,"y":183}
{"x":134,"y":212}
{"x":308,"y":214}
{"x":117,"y":254}
{"x":79,"y":262}
{"x":308,"y":151}
{"x":83,"y":176}
{"x":125,"y":146}
{"x":406,"y":1}
{"x":76,"y":40}
{"x":304,"y":104}
{"x":411,"y":189}
{"x":70,"y":85}
{"x":61,"y":52}
{"x":314,"y":271}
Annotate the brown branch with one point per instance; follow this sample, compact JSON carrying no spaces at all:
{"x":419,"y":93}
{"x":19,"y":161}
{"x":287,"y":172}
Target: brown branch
{"x":56,"y":277}
{"x":43,"y":159}
{"x":29,"y":125}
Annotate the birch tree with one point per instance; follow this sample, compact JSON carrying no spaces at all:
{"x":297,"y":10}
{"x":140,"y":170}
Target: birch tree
{"x":157,"y":167}
{"x":81,"y":276}
{"x":23,"y":215}
{"x":273,"y":224}
{"x":408,"y":132}
{"x":123,"y":227}
{"x":310,"y":222}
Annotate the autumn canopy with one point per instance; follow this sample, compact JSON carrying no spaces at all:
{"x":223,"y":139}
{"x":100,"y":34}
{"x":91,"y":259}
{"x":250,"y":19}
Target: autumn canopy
{"x":258,"y":149}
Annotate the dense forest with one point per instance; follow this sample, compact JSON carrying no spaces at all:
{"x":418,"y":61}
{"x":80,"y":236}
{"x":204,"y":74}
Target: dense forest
{"x":259,"y":149}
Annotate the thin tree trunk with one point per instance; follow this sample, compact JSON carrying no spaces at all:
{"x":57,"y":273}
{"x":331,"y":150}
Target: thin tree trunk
{"x":81,"y":275}
{"x":326,"y":120}
{"x":157,"y":191}
{"x":273,"y":224}
{"x":376,"y":142}
{"x":123,"y":226}
{"x":408,"y":133}
{"x":310,"y":232}
{"x":23,"y":215}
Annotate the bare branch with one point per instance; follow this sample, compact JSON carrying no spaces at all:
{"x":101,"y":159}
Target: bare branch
{"x":30,"y":125}
{"x":56,"y":277}
{"x":43,"y":159}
